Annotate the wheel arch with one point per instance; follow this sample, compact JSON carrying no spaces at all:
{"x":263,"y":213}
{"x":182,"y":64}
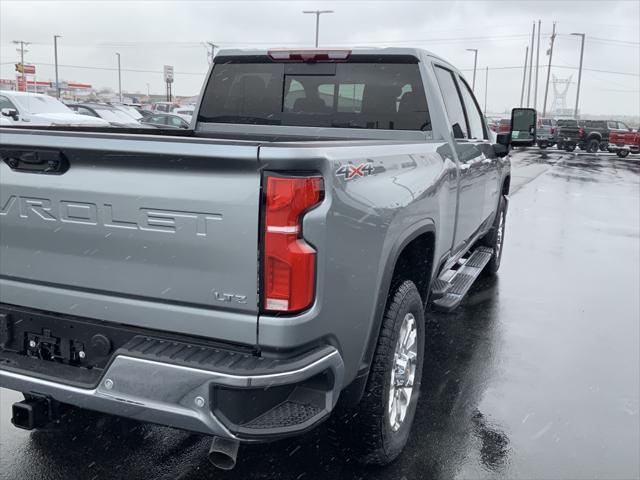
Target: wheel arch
{"x":409,"y":243}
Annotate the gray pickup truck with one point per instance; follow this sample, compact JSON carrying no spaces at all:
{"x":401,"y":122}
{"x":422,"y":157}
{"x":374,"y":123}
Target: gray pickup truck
{"x":239,"y":278}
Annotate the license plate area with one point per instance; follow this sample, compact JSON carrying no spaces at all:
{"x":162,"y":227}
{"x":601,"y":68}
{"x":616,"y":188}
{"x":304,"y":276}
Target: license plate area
{"x":63,"y":340}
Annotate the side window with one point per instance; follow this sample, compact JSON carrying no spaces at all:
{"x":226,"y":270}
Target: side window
{"x":622,"y":126}
{"x":350,"y":97}
{"x":6,"y":103}
{"x":612,"y":125}
{"x":476,"y":125}
{"x":85,"y":111}
{"x":452,"y":102}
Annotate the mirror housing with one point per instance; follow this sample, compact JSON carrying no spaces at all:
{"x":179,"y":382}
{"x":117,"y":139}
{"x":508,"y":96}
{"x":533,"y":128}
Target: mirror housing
{"x":10,"y":112}
{"x":523,"y":127}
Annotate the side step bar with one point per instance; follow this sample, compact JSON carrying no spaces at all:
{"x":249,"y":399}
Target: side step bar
{"x":448,"y":294}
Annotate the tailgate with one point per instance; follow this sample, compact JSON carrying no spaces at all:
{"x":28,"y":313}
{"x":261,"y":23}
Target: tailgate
{"x":169,"y":222}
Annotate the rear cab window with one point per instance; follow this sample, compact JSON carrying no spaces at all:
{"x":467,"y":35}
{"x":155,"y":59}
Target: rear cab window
{"x":364,"y":92}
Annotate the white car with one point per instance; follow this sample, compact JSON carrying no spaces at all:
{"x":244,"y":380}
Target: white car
{"x":184,"y":112}
{"x":25,"y":109}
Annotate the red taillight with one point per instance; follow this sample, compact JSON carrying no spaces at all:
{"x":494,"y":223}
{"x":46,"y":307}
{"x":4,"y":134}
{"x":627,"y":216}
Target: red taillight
{"x":309,"y":55}
{"x":581,"y":132}
{"x":553,"y":130}
{"x":289,"y":262}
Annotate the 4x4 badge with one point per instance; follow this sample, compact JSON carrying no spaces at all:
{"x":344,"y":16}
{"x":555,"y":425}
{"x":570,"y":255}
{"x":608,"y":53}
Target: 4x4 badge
{"x":352,"y":171}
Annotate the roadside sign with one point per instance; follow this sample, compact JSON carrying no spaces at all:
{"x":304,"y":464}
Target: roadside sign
{"x":26,"y":69}
{"x":168,"y":73}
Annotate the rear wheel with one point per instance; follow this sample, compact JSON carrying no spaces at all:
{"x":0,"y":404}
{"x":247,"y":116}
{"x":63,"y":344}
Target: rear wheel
{"x":385,"y":414}
{"x":593,"y":145}
{"x":542,"y":144}
{"x":622,"y":153}
{"x":569,"y":147}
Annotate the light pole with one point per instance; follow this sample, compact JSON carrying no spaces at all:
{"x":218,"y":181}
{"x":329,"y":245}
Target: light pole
{"x":524,"y":77}
{"x":119,"y":79}
{"x":546,"y":88}
{"x":22,"y":50}
{"x":575,"y":113}
{"x":486,"y":89}
{"x":317,"y":13}
{"x":475,"y":63}
{"x":55,"y":54}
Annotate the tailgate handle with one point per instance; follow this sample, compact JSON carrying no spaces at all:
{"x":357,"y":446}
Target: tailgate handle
{"x":53,"y":162}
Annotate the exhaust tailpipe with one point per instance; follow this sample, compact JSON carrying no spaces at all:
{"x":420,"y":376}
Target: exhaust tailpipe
{"x":223,"y":453}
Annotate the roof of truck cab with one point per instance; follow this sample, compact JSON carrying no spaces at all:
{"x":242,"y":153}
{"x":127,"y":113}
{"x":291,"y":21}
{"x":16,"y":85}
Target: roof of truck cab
{"x":416,"y":52}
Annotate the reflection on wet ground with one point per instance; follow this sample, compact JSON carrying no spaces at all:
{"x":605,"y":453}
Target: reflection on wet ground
{"x":535,"y":376}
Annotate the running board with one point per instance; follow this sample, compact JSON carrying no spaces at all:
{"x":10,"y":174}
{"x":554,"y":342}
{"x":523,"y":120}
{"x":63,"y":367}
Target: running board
{"x":449,"y":294}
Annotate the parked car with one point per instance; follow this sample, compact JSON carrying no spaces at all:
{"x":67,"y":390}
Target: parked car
{"x":594,"y":135}
{"x":165,"y":120}
{"x":504,"y":126}
{"x":36,"y":109}
{"x":254,"y":269}
{"x":624,"y":143}
{"x":130,"y":110}
{"x":568,"y":134}
{"x":185,"y":113}
{"x":546,"y":132}
{"x":163,"y":107}
{"x":109,"y":113}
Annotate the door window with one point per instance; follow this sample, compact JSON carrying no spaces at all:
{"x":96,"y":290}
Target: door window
{"x":6,"y":103}
{"x":452,"y":102}
{"x":476,"y":125}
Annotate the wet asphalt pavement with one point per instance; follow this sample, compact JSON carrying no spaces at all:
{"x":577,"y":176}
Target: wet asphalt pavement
{"x":537,"y":375}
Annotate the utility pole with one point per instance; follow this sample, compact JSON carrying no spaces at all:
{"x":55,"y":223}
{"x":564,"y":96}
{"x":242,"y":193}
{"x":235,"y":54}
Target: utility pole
{"x":535,"y":90}
{"x":317,"y":13}
{"x":148,"y":96}
{"x":575,"y":113}
{"x":475,"y":62}
{"x":55,"y":53}
{"x":22,"y":51}
{"x":524,"y":76}
{"x":546,"y":88}
{"x":119,"y":78}
{"x":533,"y":35}
{"x":486,"y":89}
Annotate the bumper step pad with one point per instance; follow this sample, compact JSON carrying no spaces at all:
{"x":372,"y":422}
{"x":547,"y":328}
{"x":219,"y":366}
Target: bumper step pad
{"x":458,"y":286}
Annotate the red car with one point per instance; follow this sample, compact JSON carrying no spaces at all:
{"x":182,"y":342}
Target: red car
{"x":624,"y":143}
{"x":504,"y":126}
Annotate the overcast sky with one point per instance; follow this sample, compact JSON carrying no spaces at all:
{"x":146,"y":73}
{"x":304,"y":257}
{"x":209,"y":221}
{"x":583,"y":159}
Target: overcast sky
{"x":150,"y":34}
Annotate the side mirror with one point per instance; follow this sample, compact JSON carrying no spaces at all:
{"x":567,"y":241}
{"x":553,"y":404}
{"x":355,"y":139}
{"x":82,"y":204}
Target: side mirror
{"x":10,"y":112}
{"x":523,"y":127}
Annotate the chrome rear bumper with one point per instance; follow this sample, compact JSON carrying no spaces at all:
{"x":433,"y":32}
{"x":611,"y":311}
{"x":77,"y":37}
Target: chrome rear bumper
{"x":177,"y":395}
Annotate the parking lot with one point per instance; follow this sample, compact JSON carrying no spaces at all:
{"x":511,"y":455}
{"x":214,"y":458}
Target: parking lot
{"x":536,"y":376}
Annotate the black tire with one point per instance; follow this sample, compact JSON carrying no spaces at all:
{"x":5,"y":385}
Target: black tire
{"x":542,"y":145}
{"x":560,"y":145}
{"x":622,"y":153}
{"x":604,"y":147}
{"x":495,"y":238}
{"x":372,"y":437}
{"x":569,"y":147}
{"x":593,"y":145}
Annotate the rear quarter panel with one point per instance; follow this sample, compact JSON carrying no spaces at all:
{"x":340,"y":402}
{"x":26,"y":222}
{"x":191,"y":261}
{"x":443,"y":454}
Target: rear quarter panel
{"x":358,"y":231}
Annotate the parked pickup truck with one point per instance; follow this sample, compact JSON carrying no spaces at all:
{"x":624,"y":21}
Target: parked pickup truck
{"x":624,"y":143}
{"x":237,"y":279}
{"x":546,"y":132}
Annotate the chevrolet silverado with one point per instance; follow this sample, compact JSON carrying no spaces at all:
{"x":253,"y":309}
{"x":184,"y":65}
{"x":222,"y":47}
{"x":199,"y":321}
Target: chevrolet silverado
{"x":239,"y":278}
